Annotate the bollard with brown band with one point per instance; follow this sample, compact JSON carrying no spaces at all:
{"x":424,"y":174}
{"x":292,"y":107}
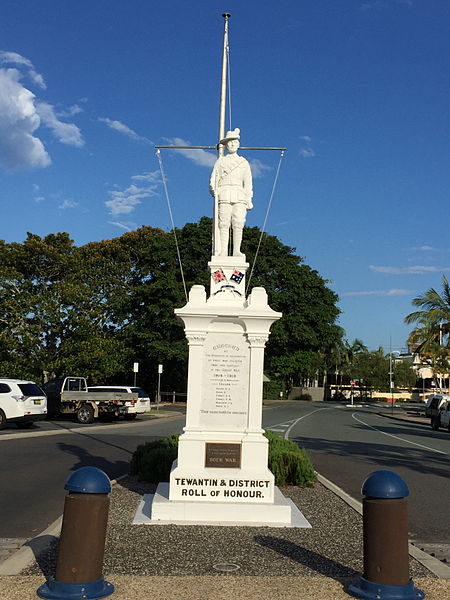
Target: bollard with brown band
{"x":82,"y":541}
{"x":385,"y":531}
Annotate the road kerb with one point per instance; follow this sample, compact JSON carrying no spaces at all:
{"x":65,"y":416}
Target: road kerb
{"x":26,"y":555}
{"x":436,"y":566}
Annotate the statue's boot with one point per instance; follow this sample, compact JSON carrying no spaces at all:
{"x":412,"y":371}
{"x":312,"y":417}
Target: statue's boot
{"x":224,"y":238}
{"x":237,"y":239}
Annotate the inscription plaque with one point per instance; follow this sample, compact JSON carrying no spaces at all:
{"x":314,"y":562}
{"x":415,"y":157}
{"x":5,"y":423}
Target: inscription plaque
{"x":225,"y":378}
{"x":223,"y":456}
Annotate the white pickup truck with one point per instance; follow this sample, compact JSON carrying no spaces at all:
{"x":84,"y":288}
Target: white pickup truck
{"x":70,"y":395}
{"x":442,"y":419}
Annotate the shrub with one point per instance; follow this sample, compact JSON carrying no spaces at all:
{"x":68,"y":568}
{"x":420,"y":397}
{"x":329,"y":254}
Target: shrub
{"x":272,"y":389}
{"x":152,"y":461}
{"x":289,"y":464}
{"x":304,"y":396}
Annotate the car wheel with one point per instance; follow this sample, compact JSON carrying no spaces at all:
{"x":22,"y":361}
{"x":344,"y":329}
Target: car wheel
{"x":2,"y":420}
{"x":435,"y":423}
{"x":25,"y":424}
{"x":130,"y":417}
{"x":85,"y":414}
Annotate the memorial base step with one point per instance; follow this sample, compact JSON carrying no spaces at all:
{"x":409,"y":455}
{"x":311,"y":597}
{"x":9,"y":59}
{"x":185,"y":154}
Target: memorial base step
{"x":157,"y":509}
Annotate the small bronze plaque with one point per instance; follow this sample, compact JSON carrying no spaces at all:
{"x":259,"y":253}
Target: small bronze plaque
{"x":223,"y":456}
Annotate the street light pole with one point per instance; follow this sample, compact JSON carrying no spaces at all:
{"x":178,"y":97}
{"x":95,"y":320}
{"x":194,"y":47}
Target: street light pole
{"x":391,"y":383}
{"x":158,"y":397}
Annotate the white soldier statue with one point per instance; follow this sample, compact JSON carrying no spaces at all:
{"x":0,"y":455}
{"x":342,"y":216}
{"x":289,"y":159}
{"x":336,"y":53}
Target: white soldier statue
{"x":231,"y":185}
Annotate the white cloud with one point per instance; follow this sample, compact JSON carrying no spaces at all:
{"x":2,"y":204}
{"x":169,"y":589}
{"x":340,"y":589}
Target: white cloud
{"x":307,"y":152}
{"x":19,"y":119}
{"x":416,"y":270}
{"x":68,"y":204}
{"x":379,"y":4}
{"x":37,"y":196}
{"x":66,"y":133}
{"x":124,"y":130}
{"x":21,"y":114}
{"x":202,"y":158}
{"x":17,"y":59}
{"x":427,"y":249}
{"x":306,"y":138}
{"x":123,"y":202}
{"x":128,"y":227}
{"x":151,"y":177}
{"x":258,"y":168}
{"x":392,"y":292}
{"x":71,"y":111}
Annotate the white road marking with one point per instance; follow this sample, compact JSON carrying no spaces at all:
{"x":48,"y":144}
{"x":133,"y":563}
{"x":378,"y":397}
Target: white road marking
{"x":290,"y":424}
{"x":398,"y":437}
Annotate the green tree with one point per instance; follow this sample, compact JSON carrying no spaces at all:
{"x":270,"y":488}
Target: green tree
{"x":95,"y":309}
{"x":431,"y":336}
{"x":434,"y":319}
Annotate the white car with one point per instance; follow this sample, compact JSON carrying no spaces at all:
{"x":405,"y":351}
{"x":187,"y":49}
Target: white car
{"x":21,"y":402}
{"x":442,"y":419}
{"x":434,"y":404}
{"x":132,"y":409}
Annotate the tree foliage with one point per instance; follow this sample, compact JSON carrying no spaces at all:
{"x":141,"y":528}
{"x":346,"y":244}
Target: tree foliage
{"x":431,"y":336}
{"x":95,"y":309}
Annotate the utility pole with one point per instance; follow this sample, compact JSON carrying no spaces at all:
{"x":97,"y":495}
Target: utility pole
{"x":391,"y":382}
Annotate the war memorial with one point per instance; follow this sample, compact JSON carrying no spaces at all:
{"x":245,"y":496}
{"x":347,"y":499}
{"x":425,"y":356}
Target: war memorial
{"x":221,"y":474}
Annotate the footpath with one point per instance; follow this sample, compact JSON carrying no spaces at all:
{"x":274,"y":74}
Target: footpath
{"x":197,"y":562}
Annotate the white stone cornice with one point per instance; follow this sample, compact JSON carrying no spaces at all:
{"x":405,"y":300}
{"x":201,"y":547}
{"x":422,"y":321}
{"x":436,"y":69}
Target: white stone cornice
{"x":196,"y":339}
{"x":257,"y":340}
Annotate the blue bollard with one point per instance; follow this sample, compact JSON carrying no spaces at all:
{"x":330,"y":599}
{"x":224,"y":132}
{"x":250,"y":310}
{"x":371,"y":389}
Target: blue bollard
{"x":82,"y":543}
{"x":385,"y":530}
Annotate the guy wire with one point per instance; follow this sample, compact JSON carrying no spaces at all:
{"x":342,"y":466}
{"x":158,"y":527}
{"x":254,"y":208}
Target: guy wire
{"x":265,"y":220}
{"x":158,"y":154}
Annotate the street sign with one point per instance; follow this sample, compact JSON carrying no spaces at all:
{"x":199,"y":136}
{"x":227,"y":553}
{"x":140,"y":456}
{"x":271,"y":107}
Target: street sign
{"x":136,"y":367}
{"x":160,"y":368}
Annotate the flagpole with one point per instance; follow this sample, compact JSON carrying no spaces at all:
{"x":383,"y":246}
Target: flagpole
{"x":223,"y":87}
{"x":222,"y":111}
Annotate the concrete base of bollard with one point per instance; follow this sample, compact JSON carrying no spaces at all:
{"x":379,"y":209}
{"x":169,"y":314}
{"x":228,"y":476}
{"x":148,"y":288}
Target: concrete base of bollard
{"x":55,"y":590}
{"x":368,"y":590}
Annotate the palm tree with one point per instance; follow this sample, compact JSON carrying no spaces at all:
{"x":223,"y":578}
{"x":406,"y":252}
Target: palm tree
{"x":433,"y":327}
{"x":435,"y":316}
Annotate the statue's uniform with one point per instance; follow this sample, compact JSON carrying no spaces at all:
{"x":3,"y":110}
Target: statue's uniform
{"x":231,"y":183}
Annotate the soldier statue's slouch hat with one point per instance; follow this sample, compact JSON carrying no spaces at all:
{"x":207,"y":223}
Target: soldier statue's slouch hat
{"x":231,"y":135}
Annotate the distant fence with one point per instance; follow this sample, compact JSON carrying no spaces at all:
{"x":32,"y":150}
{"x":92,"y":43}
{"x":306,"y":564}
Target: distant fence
{"x":173,"y":397}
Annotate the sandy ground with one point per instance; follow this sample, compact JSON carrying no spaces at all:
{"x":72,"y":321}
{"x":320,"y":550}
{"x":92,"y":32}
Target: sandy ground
{"x":221,"y":587}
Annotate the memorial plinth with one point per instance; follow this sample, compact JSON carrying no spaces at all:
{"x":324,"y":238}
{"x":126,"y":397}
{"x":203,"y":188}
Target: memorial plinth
{"x":221,"y":474}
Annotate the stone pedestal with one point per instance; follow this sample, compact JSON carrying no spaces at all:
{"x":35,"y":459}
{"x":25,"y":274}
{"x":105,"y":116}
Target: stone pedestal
{"x":221,"y":475}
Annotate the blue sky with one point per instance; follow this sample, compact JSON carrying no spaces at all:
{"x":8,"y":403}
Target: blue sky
{"x":357,"y":90}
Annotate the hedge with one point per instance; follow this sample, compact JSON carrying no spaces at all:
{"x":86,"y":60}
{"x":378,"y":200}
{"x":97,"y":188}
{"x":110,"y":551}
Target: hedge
{"x":288,"y":462}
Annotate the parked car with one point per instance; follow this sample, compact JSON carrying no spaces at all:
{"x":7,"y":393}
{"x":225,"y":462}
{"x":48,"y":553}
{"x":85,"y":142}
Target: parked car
{"x":442,"y":419}
{"x":21,"y":402}
{"x":434,"y":404}
{"x":70,"y":396}
{"x":132,"y":408}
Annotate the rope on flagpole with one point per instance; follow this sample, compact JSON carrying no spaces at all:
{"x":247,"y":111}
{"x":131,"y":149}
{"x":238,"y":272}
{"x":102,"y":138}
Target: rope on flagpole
{"x":265,"y":220}
{"x":229,"y":84}
{"x":163,"y":177}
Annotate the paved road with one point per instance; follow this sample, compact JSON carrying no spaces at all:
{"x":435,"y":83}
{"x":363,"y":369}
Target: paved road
{"x":35,"y":465}
{"x":347,"y":444}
